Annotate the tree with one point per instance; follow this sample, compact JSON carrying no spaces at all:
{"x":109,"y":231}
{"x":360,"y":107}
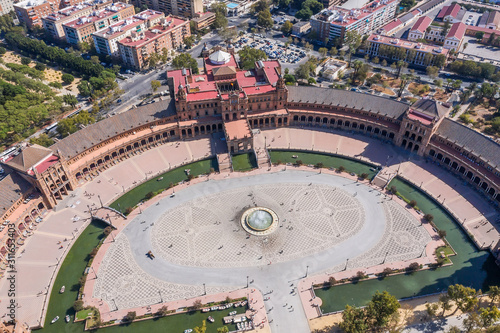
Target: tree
{"x":155,"y":84}
{"x":353,"y":41}
{"x":464,"y":297}
{"x":286,"y":28}
{"x":431,"y":309}
{"x":222,"y":329}
{"x":479,"y":35}
{"x":446,"y":28}
{"x":400,"y":64}
{"x":442,"y":233}
{"x":413,"y":267}
{"x":184,"y":60}
{"x":323,"y":51}
{"x":78,"y":305}
{"x":489,"y":316}
{"x":465,"y":46}
{"x":70,"y":100}
{"x":220,"y":10}
{"x":494,"y":294}
{"x":130,"y":317}
{"x":381,"y":309}
{"x":67,"y":78}
{"x":40,"y":67}
{"x":25,"y":61}
{"x":432,"y":71}
{"x":197,"y":305}
{"x":189,"y":41}
{"x":42,"y":140}
{"x":444,"y":303}
{"x":163,"y":311}
{"x":353,"y":320}
{"x":264,"y":19}
{"x":202,"y":328}
{"x":404,"y":81}
{"x":333,"y":51}
{"x":438,"y":83}
{"x":248,"y":57}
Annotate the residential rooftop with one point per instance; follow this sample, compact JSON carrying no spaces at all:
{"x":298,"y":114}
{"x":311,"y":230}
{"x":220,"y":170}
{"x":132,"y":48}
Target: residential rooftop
{"x":153,"y":33}
{"x":408,"y":44}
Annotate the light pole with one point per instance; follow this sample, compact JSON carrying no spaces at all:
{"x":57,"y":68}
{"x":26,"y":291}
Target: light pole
{"x":100,"y":201}
{"x":93,"y":270}
{"x":346,"y":262}
{"x":247,"y":281}
{"x":204,"y":289}
{"x":161,"y":298}
{"x":307,"y":270}
{"x":385,"y":257}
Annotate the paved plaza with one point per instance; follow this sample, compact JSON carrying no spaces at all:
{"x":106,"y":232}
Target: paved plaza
{"x":197,"y":239}
{"x":41,"y":254}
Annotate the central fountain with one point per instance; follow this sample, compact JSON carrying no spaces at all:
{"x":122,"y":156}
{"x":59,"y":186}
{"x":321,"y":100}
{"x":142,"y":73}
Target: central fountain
{"x":259,"y":221}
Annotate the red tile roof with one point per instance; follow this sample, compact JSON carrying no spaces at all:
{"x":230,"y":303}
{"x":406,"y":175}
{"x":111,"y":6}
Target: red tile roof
{"x":237,"y":129}
{"x":457,"y":30}
{"x":442,"y":12}
{"x":452,"y":10}
{"x":422,"y":24}
{"x":392,"y":25}
{"x":200,"y":96}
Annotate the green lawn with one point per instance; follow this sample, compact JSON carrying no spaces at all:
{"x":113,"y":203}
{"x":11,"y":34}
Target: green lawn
{"x":470,"y":267}
{"x":81,"y":315}
{"x":244,"y":162}
{"x":177,"y":323}
{"x":329,"y":161}
{"x":137,"y":194}
{"x":70,"y":272}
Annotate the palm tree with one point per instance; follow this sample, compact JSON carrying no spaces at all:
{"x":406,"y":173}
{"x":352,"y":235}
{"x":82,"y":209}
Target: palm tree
{"x":465,"y":46}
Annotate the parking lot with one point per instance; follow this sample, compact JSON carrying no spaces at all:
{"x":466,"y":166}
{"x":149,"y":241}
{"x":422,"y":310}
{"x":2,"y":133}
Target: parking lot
{"x":476,"y":51}
{"x":275,"y":50}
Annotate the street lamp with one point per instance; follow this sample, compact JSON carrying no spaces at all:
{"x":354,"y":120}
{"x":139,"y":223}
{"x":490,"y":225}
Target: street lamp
{"x":346,"y":262}
{"x":100,"y":201}
{"x":385,"y":257}
{"x":161,"y":298}
{"x":93,"y":270}
{"x":307,"y":270}
{"x":204,"y":289}
{"x":247,"y":281}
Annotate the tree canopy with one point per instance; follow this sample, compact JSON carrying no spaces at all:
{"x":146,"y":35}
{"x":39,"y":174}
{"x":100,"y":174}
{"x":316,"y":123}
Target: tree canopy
{"x":184,"y":60}
{"x":248,"y":57}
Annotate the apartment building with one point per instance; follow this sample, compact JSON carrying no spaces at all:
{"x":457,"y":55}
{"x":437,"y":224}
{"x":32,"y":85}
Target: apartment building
{"x":184,"y":8}
{"x":334,"y":22}
{"x":400,"y":49}
{"x":6,"y":6}
{"x":53,"y":23}
{"x":169,"y":34}
{"x":81,"y":29}
{"x":203,"y":20}
{"x":105,"y":40}
{"x":31,"y":12}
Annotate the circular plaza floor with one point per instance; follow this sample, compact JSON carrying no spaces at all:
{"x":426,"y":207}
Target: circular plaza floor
{"x":197,"y":238}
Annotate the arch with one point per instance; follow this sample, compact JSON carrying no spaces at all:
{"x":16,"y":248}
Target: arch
{"x":226,"y":117}
{"x":214,"y":127}
{"x":158,"y":137}
{"x":416,"y":147}
{"x":190,"y":131}
{"x":362,"y":126}
{"x":447,"y":161}
{"x":143,"y":142}
{"x":484,"y":185}
{"x":165,"y":134}
{"x":261,"y":121}
{"x":34,"y":212}
{"x":310,"y":119}
{"x":183,"y":132}
{"x":403,"y":144}
{"x":339,"y":122}
{"x":469,"y":175}
{"x":64,"y":178}
{"x":279,"y":121}
{"x":407,"y":134}
{"x":461,"y":170}
{"x":121,"y":151}
{"x":454,"y":165}
{"x":384,"y":133}
{"x":92,"y":166}
{"x":391,"y":135}
{"x":202,"y":129}
{"x":295,"y":118}
{"x":235,"y":116}
{"x":41,"y":205}
{"x":99,"y":162}
{"x":369,"y":128}
{"x":412,"y":137}
{"x":325,"y":120}
{"x":432,"y":152}
{"x":491,"y":191}
{"x":150,"y":139}
{"x":477,"y":180}
{"x":410,"y":145}
{"x":318,"y":119}
{"x":377,"y":130}
{"x":347,"y":123}
{"x":129,"y":148}
{"x":354,"y":125}
{"x":255,"y":122}
{"x":266,"y":121}
{"x":419,"y":139}
{"x":439,"y":156}
{"x":332,"y":121}
{"x":172,"y":132}
{"x":136,"y":144}
{"x":196,"y":130}
{"x":114,"y":154}
{"x":219,"y":127}
{"x":303,"y":118}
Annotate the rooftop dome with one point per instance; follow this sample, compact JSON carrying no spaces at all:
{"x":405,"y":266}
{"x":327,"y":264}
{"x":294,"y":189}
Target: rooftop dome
{"x":219,"y":57}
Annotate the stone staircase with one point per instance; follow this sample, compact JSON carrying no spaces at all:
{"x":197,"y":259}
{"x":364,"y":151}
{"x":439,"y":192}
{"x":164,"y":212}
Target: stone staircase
{"x":383,"y":177}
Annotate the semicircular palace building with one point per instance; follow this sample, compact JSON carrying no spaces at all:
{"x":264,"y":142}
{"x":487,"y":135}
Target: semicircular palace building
{"x":232,"y":101}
